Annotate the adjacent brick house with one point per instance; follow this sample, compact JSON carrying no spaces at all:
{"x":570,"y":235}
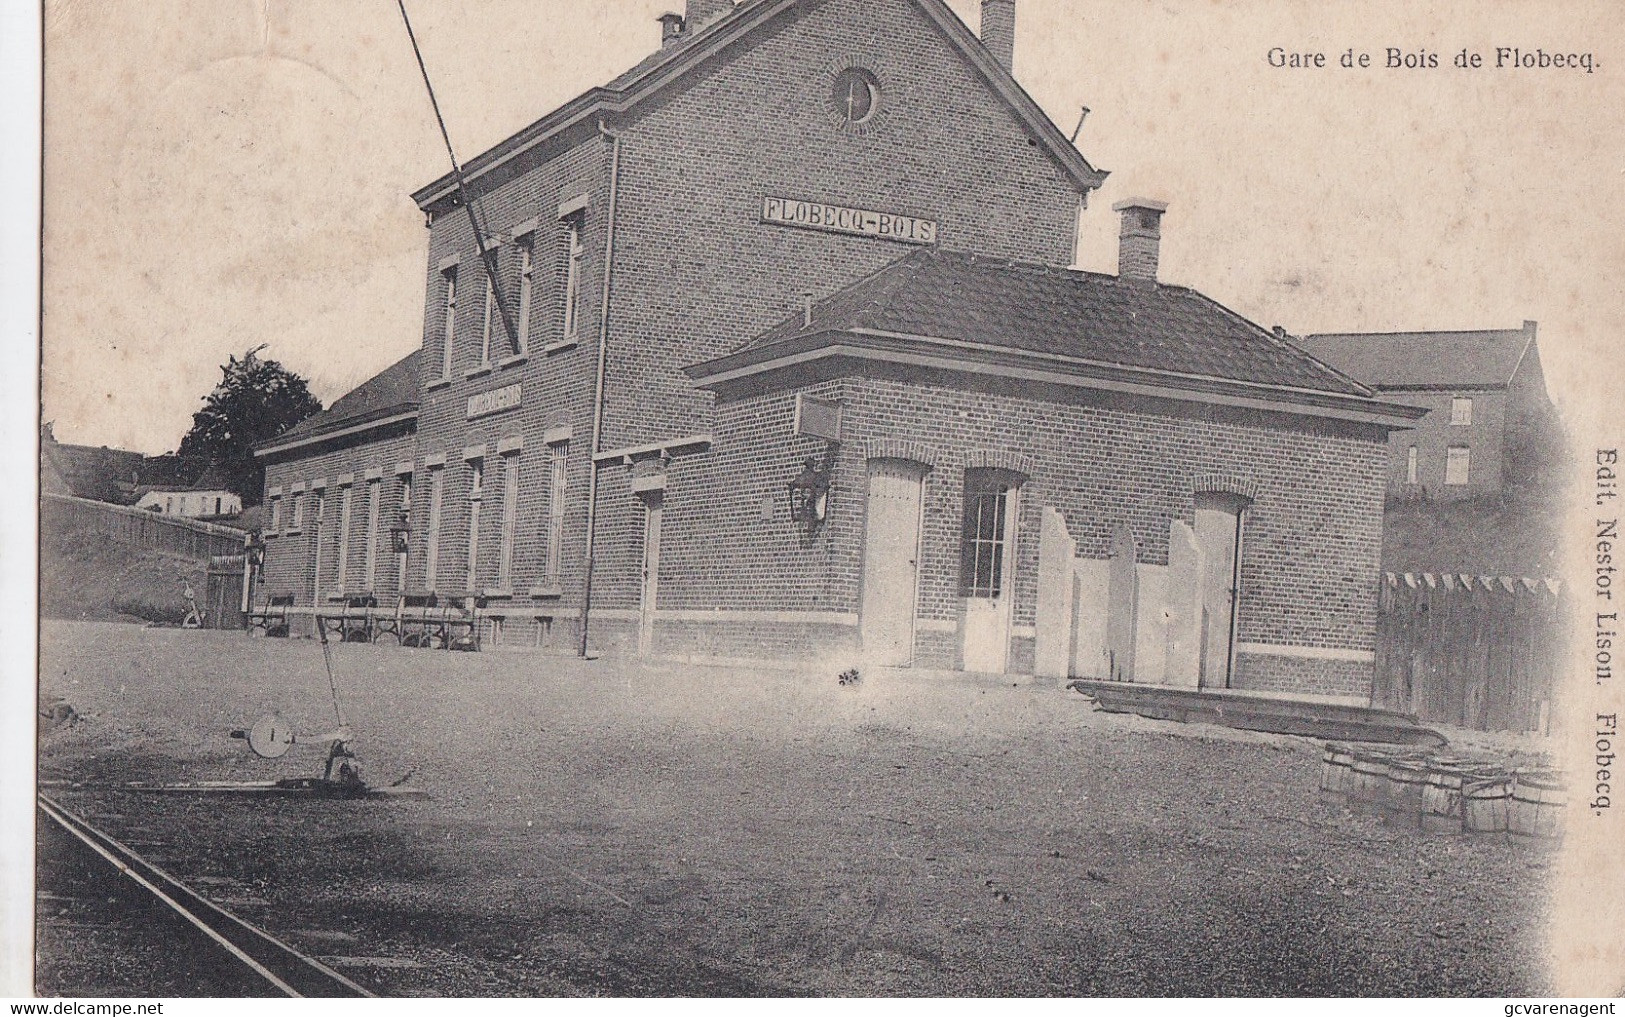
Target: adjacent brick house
{"x":740,"y":256}
{"x":1489,"y":418}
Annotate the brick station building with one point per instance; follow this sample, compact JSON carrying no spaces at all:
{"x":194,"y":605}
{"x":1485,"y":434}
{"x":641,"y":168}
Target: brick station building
{"x":821,"y":244}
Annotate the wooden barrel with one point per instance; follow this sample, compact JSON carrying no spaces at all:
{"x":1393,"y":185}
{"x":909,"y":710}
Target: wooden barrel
{"x":1402,"y":802}
{"x":1441,"y":796}
{"x":1368,"y":776}
{"x":1536,"y":803}
{"x":1336,"y":765}
{"x":1484,"y":794}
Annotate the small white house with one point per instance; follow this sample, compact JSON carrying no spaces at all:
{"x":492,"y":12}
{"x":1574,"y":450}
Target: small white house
{"x":193,"y":504}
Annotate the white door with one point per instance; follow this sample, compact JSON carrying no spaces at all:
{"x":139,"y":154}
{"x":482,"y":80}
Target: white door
{"x":986,"y":579}
{"x":654,"y":506}
{"x":1218,"y":534}
{"x":891,"y":562}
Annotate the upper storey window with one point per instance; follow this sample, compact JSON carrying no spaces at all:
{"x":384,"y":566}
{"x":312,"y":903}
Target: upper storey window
{"x":527,"y":291}
{"x":449,"y":337}
{"x":1461,"y":411}
{"x":574,"y":252}
{"x":491,"y":317}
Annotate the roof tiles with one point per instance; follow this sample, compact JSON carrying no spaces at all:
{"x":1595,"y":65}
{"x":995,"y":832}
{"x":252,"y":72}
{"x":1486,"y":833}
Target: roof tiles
{"x":1443,"y":360}
{"x":396,"y":388}
{"x":1063,"y":312}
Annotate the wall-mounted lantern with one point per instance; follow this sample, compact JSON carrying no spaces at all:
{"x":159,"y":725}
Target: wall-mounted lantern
{"x":400,"y":535}
{"x":809,"y":495}
{"x":254,"y":548}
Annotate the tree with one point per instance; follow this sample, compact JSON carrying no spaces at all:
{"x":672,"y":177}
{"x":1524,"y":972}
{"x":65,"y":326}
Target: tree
{"x":255,"y":401}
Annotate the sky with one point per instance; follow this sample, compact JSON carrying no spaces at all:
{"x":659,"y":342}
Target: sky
{"x":225,"y":173}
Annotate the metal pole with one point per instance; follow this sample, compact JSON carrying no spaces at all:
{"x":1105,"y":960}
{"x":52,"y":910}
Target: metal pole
{"x":486,"y":261}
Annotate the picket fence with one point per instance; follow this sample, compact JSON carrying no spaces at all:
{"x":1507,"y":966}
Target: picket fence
{"x":1479,"y":652}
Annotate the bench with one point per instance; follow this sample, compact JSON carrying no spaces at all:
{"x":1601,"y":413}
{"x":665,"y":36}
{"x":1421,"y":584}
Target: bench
{"x":354,"y":622}
{"x":271,"y":618}
{"x":428,"y":620}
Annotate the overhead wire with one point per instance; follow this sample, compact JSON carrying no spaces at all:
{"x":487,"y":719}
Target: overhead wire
{"x":487,"y":260}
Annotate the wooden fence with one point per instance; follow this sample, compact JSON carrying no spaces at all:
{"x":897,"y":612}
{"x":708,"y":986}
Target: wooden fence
{"x":187,"y":537}
{"x":1474,"y":651}
{"x":222,"y":602}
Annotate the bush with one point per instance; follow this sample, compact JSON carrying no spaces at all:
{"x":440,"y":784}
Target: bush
{"x":146,"y":610}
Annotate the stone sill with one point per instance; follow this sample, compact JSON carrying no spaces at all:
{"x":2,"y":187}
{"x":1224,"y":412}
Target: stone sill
{"x":478,"y":372}
{"x":545,"y":592}
{"x":438,"y":383}
{"x":513,"y":361}
{"x":560,"y":346}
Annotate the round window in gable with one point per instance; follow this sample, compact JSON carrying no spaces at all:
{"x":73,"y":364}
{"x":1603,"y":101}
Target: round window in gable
{"x":855,"y":97}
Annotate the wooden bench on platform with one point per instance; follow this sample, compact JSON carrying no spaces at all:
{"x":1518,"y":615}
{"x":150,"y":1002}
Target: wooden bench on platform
{"x":272,"y":617}
{"x":430,"y":620}
{"x":354,"y":622}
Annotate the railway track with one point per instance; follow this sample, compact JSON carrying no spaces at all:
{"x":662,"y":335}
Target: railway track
{"x":259,"y":955}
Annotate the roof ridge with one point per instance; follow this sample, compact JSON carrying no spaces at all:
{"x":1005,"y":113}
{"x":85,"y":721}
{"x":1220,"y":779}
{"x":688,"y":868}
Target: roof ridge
{"x":1419,"y":331}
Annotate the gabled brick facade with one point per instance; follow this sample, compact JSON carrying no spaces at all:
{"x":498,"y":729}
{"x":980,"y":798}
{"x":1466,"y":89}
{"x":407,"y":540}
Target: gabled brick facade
{"x":660,"y":190}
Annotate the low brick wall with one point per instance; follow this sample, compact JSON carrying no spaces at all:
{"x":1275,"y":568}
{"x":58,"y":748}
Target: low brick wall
{"x":1258,"y":672}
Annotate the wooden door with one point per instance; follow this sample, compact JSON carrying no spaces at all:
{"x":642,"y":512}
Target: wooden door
{"x":891,"y":562}
{"x":1218,"y":534}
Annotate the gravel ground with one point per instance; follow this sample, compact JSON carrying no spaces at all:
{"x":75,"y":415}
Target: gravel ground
{"x":607,"y":828}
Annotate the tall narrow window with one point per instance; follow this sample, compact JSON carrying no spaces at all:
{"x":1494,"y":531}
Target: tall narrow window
{"x":510,"y":513}
{"x":405,"y":521}
{"x":449,"y":340}
{"x":1461,"y":411}
{"x":573,"y":254}
{"x":318,"y":515}
{"x":476,"y":498}
{"x":276,"y":514}
{"x":527,"y":279}
{"x":982,"y":547}
{"x":298,"y":511}
{"x":346,"y":504}
{"x":437,"y":496}
{"x":1457,"y":465}
{"x":490,"y":316}
{"x":1410,"y":465}
{"x":555,"y":513}
{"x":373,"y":487}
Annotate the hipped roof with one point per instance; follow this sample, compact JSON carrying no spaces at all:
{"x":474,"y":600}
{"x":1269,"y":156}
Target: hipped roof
{"x":1072,"y":320}
{"x":387,"y":394}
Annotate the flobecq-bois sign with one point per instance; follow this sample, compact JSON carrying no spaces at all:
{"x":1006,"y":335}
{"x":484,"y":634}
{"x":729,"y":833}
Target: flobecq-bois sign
{"x":486,"y":403}
{"x":859,"y":222}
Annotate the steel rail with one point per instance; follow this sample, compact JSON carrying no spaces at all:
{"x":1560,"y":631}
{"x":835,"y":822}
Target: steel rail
{"x":286,"y":969}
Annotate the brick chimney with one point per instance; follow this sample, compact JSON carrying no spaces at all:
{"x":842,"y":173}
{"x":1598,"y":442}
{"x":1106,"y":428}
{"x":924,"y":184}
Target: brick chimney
{"x":999,"y":31}
{"x":703,"y":12}
{"x":1139,"y":243}
{"x":671,"y":28}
